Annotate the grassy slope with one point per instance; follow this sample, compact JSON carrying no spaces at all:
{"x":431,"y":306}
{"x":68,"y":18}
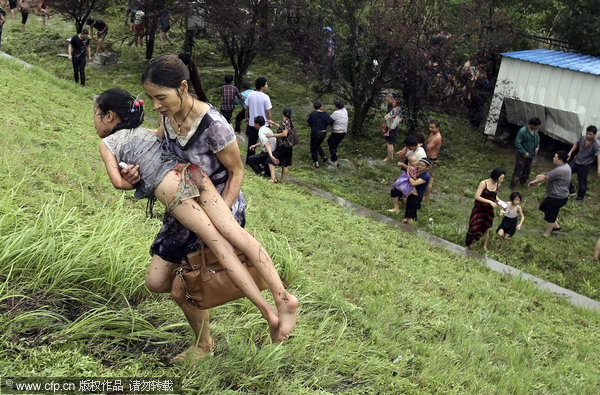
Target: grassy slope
{"x":380,"y":310}
{"x":565,"y":259}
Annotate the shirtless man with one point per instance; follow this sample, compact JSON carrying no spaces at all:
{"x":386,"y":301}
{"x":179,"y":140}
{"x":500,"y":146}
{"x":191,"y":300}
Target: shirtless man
{"x":433,"y":144}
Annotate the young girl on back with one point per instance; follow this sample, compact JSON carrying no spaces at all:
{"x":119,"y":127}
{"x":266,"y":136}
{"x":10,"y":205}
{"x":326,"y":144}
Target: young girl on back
{"x":189,"y":195}
{"x":403,"y":185}
{"x":509,"y":226}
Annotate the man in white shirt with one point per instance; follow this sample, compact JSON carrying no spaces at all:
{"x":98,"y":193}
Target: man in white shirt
{"x":258,"y":103}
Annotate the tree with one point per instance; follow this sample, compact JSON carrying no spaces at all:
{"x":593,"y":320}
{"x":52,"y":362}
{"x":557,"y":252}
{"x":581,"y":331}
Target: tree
{"x":372,"y":46}
{"x":576,"y":21}
{"x":239,"y":26}
{"x":152,"y":10}
{"x":78,"y":10}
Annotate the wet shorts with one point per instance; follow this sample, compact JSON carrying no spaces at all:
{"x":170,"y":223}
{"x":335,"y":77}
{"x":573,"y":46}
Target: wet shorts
{"x":188,"y":188}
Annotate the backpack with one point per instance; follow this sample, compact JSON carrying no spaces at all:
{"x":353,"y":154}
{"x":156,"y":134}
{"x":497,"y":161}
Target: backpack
{"x":291,"y":139}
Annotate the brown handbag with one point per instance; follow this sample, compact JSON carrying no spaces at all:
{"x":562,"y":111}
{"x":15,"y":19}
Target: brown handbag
{"x":207,"y":282}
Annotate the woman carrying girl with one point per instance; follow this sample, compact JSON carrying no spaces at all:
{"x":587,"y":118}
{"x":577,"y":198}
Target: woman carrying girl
{"x":402,"y":186}
{"x":283,"y":152}
{"x":419,"y":182}
{"x":196,"y":133}
{"x":190,"y":196}
{"x":509,"y":226}
{"x":482,"y":215}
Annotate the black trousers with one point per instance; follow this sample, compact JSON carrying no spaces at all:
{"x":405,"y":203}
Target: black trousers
{"x":521,"y":171}
{"x":252,"y":135}
{"x":238,"y":120}
{"x":316,"y":139}
{"x":79,"y":69}
{"x":333,"y":142}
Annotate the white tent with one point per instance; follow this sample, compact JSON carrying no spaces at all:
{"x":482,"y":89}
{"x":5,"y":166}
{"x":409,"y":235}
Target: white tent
{"x":560,"y":88}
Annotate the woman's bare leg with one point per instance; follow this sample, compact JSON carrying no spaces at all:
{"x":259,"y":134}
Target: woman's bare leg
{"x":161,"y":278}
{"x":273,"y":175}
{"x":284,"y":171}
{"x":193,"y":217}
{"x":220,"y":215}
{"x":486,"y":239}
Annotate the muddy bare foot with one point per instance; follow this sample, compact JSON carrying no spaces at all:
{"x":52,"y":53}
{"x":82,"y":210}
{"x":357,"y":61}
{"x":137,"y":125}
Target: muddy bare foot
{"x":194,"y":353}
{"x":394,"y":210}
{"x":273,"y":321}
{"x":287,"y":309}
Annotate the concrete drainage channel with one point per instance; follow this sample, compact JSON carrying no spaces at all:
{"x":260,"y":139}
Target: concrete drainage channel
{"x":573,"y":297}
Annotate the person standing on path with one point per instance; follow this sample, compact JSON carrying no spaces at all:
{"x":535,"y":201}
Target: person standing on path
{"x":589,"y":149}
{"x":527,"y":144}
{"x":258,"y":103}
{"x":557,"y":191}
{"x":338,"y":129}
{"x":78,"y":46}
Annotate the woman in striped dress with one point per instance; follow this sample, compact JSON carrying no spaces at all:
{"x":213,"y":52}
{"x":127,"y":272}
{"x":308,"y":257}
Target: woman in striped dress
{"x":482,"y":215}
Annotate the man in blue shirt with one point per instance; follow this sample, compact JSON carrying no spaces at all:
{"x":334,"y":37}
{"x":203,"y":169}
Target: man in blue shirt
{"x":242,"y":114}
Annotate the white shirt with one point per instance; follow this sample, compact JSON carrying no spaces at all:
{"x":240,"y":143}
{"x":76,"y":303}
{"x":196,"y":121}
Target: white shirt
{"x":258,"y":103}
{"x":340,"y":118}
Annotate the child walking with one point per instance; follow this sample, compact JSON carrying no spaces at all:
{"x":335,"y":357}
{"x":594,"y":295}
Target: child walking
{"x":190,"y":196}
{"x":509,"y":226}
{"x":402,"y":186}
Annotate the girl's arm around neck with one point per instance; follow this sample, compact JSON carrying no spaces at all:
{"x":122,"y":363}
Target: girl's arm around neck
{"x":112,"y":169}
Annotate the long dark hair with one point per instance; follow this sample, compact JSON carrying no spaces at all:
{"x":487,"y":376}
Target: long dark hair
{"x":288,"y":114}
{"x":121,"y":103}
{"x":168,"y":70}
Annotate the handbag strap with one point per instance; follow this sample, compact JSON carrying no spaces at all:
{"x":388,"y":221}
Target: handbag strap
{"x":204,"y":272}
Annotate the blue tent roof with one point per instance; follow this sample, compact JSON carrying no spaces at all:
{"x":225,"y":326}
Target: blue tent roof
{"x":564,"y":60}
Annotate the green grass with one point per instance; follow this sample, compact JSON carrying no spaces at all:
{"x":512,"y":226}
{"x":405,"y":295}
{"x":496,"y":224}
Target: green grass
{"x":381,"y":311}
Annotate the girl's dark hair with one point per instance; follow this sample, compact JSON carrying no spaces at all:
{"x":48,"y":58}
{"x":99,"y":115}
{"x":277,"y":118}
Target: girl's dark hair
{"x":338,"y":103}
{"x":168,"y":70}
{"x":496,"y":173}
{"x":121,"y":103}
{"x":515,"y":195}
{"x":288,"y":114}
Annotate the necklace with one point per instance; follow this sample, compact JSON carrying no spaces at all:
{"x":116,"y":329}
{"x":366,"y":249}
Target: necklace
{"x":183,"y":120}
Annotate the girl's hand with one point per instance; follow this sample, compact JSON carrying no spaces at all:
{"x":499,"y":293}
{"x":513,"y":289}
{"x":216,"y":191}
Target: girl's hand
{"x":519,"y":227}
{"x":131,"y":174}
{"x":493,"y":204}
